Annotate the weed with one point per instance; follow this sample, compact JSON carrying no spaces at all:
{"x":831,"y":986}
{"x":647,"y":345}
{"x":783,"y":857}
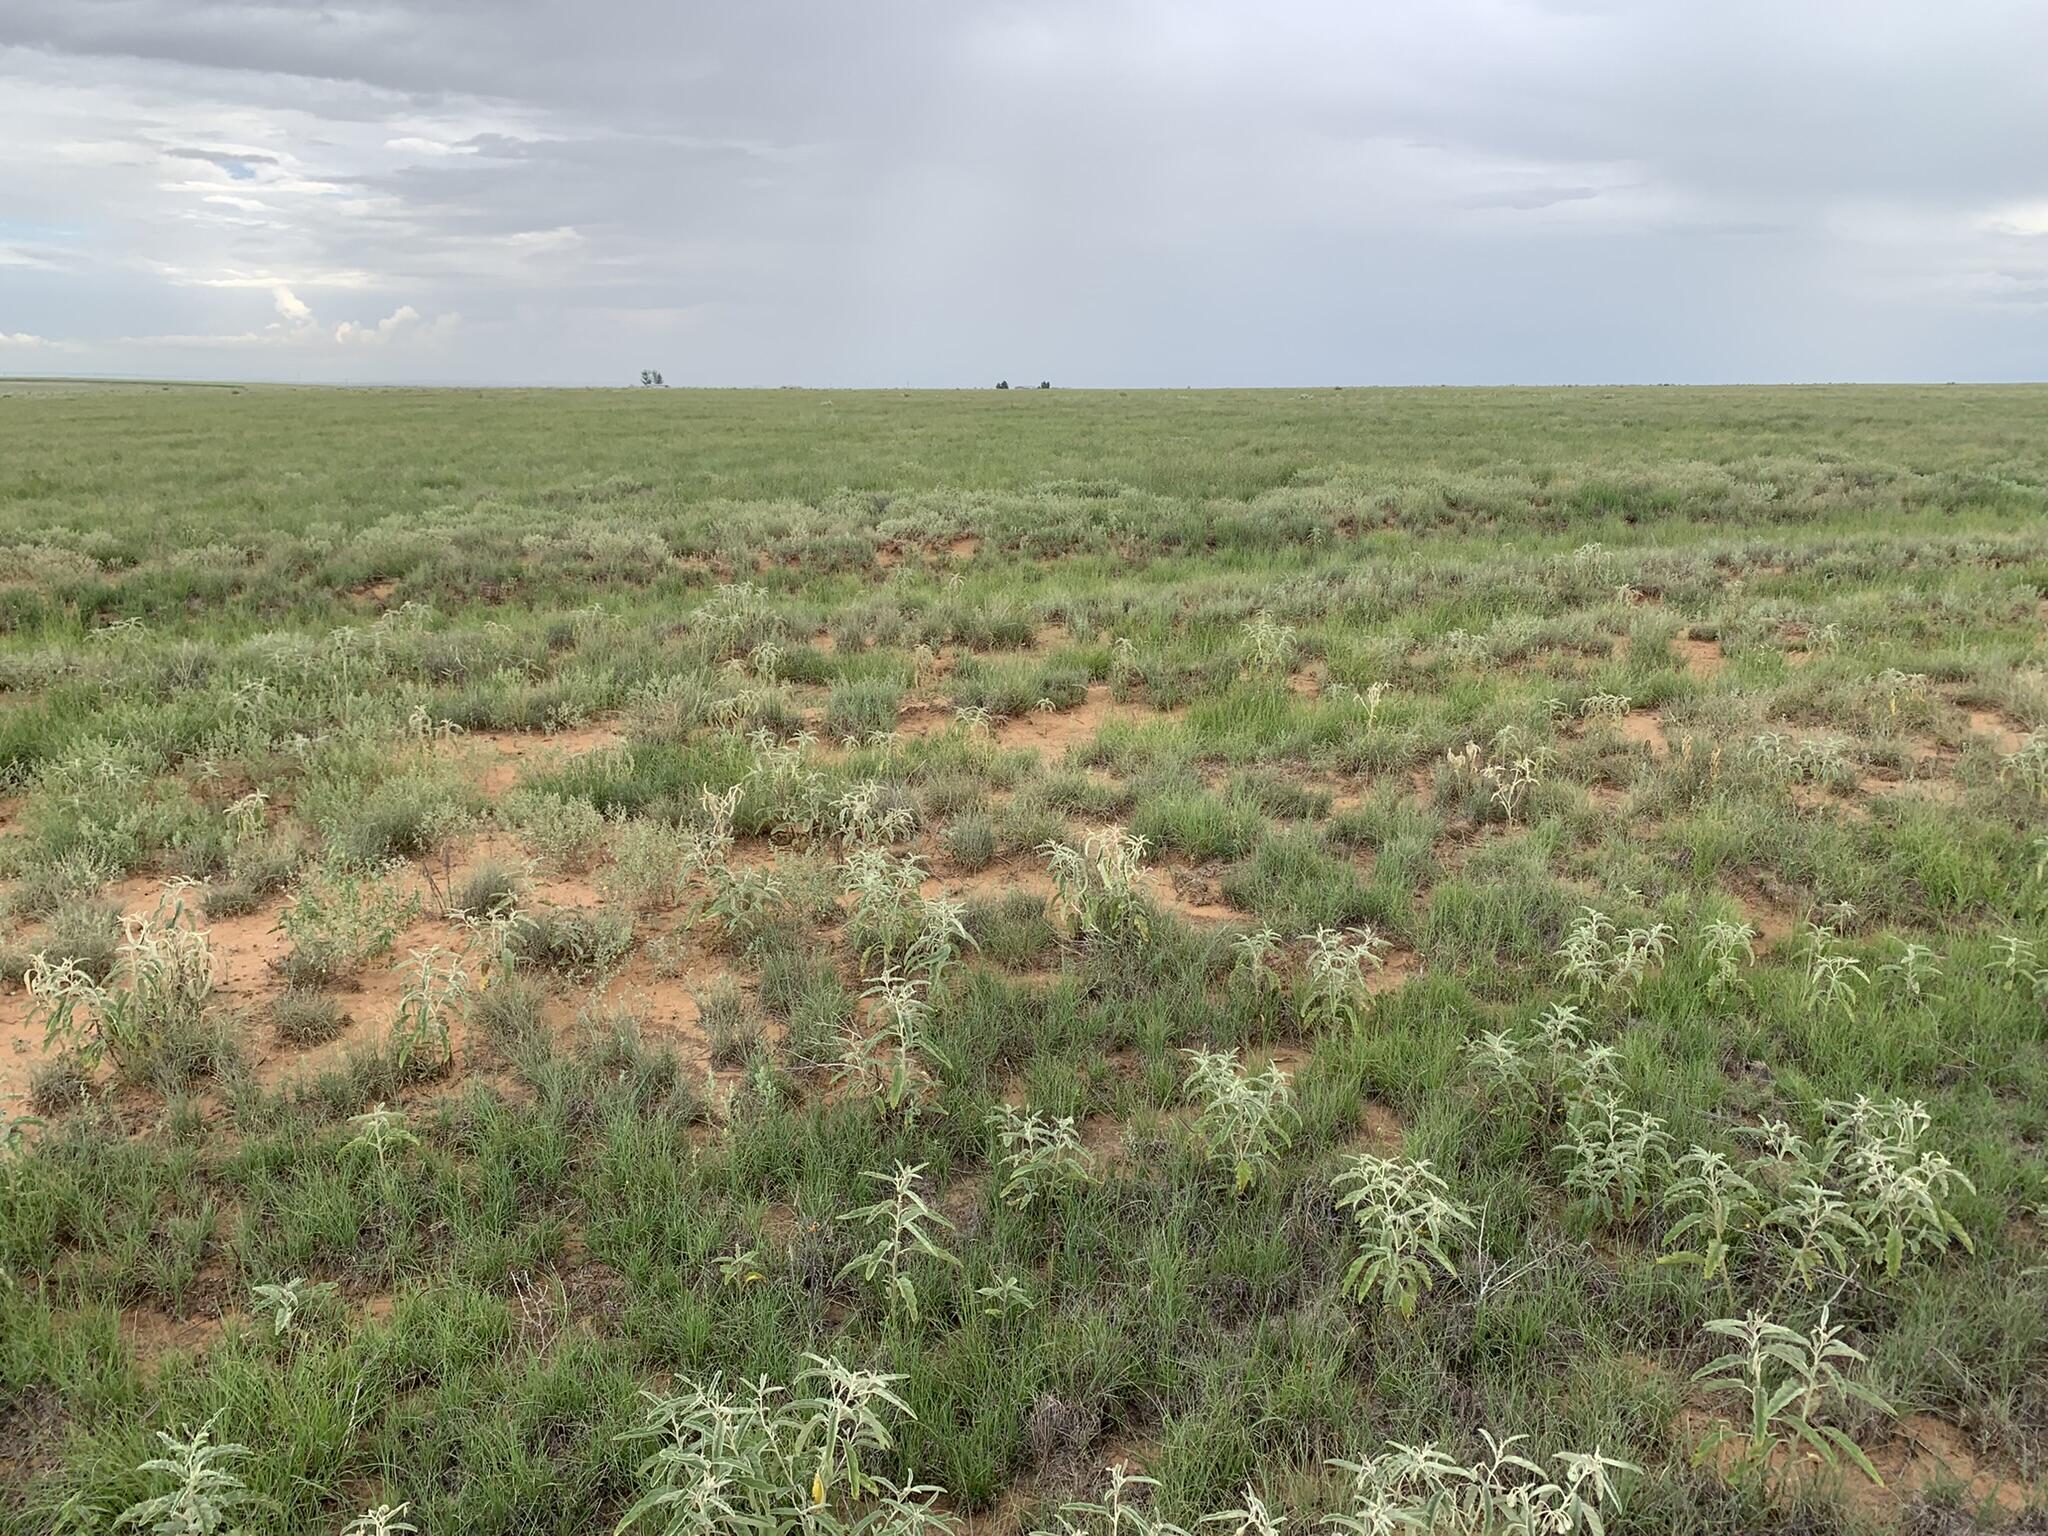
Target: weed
{"x":1832,"y":975}
{"x":1098,"y":886}
{"x":1616,"y":1158}
{"x":1404,"y":1218}
{"x":383,"y":1520}
{"x":1332,"y":992}
{"x":566,"y":832}
{"x":889,"y":1063}
{"x":437,"y":984}
{"x":1911,"y":972}
{"x":381,"y":1134}
{"x":1713,"y":1207}
{"x":1607,"y":962}
{"x":755,"y":1457}
{"x":1272,"y":642}
{"x":1899,"y":1190}
{"x":340,"y":918}
{"x":1042,"y":1156}
{"x":905,"y":1224}
{"x":163,"y":978}
{"x":1247,"y":1118}
{"x":203,"y":1491}
{"x":283,"y":1301}
{"x":198,"y":684}
{"x":2027,"y":765}
{"x":1420,"y":1488}
{"x":1725,"y":949}
{"x":1787,"y":1380}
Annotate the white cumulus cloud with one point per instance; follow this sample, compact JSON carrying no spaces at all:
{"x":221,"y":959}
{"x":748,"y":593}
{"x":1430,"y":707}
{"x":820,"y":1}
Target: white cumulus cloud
{"x":393,"y":324}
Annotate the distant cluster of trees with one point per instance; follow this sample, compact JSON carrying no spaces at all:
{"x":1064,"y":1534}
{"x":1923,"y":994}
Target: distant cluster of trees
{"x":1042,"y":384}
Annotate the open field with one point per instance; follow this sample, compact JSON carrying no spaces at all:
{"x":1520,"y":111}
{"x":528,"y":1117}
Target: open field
{"x":1208,"y":934}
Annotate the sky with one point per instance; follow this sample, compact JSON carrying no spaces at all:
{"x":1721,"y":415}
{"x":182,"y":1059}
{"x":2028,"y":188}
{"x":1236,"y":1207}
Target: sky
{"x":1096,"y":193}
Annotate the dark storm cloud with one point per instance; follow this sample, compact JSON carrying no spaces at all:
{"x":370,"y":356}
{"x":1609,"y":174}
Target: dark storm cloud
{"x":1098,"y":192}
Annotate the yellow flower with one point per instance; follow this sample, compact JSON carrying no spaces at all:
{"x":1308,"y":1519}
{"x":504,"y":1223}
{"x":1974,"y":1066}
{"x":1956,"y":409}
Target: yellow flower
{"x":817,"y":1487}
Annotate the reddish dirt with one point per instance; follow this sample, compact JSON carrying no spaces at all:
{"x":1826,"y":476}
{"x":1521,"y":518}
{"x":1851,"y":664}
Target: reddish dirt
{"x":1925,"y":1455}
{"x":1379,"y":1131}
{"x":150,"y":1336}
{"x":1929,"y":1454}
{"x":1702,"y":659}
{"x":1816,"y":797}
{"x":439,"y":876}
{"x":993,"y":883}
{"x":666,"y":1004}
{"x":923,"y":717}
{"x":249,"y":949}
{"x":1774,"y":920}
{"x":1346,"y":792}
{"x":21,"y":1048}
{"x":1290,"y":1058}
{"x":1103,"y":1136}
{"x":1050,"y":733}
{"x":1136,"y":1456}
{"x":1192,"y":898}
{"x":960,"y":549}
{"x":1401,"y":966}
{"x":1644,"y":728}
{"x":1941,"y":790}
{"x":496,"y":759}
{"x":2003,"y":730}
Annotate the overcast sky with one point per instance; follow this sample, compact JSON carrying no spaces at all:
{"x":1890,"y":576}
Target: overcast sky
{"x":1358,"y":191}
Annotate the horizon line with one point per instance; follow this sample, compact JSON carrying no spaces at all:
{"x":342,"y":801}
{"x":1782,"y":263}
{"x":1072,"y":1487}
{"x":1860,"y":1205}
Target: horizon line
{"x":208,"y":382}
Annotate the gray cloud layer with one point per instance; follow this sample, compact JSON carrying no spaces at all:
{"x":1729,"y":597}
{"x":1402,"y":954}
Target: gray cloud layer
{"x":1105,"y":193}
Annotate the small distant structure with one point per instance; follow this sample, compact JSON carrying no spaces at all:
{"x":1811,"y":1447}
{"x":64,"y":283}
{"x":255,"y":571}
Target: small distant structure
{"x":650,"y":378}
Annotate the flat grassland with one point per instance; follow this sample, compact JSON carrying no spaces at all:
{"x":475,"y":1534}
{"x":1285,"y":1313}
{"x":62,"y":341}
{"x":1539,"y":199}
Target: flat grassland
{"x":1226,"y":939}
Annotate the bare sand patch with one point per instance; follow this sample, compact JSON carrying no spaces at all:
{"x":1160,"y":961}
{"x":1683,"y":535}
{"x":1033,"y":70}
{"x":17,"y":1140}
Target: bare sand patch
{"x":1192,"y":897}
{"x":1702,"y":659}
{"x":495,"y":760}
{"x":1925,"y":1455}
{"x":2001,"y":728}
{"x":1644,"y":728}
{"x":1051,"y":733}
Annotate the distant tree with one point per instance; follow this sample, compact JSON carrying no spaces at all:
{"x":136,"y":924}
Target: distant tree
{"x":650,"y":378}
{"x":1005,"y":384}
{"x":1045,"y":383}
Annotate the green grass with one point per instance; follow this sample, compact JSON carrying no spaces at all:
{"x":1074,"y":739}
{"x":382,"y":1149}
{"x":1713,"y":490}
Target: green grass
{"x":765,"y":679}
